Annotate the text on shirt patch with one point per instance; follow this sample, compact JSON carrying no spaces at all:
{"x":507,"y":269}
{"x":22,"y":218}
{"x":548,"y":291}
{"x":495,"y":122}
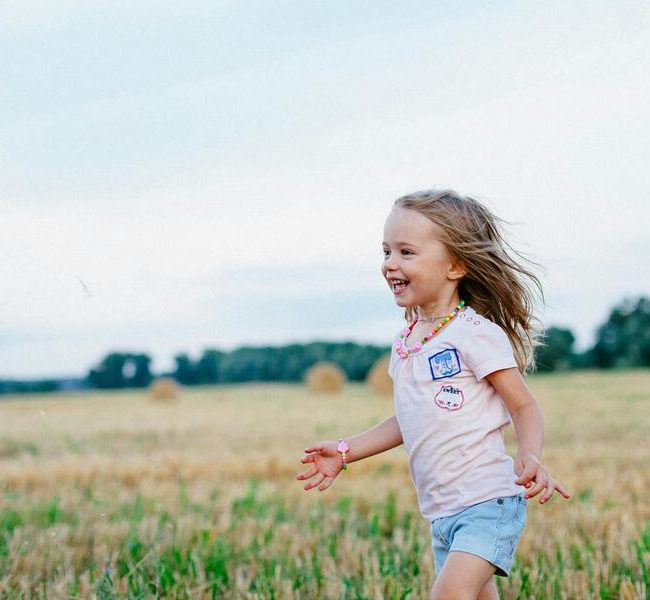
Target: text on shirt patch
{"x":444,"y":364}
{"x":450,"y":397}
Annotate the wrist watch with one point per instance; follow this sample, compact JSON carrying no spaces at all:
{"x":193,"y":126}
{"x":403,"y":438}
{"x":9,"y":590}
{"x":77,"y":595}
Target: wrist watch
{"x":343,"y":449}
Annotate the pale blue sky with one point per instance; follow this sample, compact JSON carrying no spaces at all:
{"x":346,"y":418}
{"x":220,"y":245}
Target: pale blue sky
{"x":217,"y":173}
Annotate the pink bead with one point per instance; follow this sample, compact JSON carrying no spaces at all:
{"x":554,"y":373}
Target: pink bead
{"x":416,"y":347}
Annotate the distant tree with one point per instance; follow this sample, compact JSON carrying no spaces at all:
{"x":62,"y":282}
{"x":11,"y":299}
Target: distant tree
{"x":185,"y":372}
{"x":242,"y":364}
{"x":208,"y":367}
{"x":556,"y":351}
{"x":289,"y":363}
{"x":142,"y":375}
{"x":265,"y":363}
{"x":583,"y":360}
{"x":45,"y":385}
{"x":29,"y":387}
{"x":624,"y":340}
{"x":121,"y":370}
{"x":109,"y":373}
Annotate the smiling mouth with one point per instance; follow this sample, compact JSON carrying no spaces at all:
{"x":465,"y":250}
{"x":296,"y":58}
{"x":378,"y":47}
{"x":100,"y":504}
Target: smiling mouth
{"x":398,"y":285}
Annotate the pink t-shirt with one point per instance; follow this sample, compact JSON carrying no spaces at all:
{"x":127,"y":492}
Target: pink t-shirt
{"x":451,"y":418}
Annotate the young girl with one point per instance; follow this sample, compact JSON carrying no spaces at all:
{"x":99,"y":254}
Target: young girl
{"x":457,"y":372}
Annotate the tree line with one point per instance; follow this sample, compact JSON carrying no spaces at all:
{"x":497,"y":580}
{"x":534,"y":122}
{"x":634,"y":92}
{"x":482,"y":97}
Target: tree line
{"x":622,"y":341}
{"x":281,"y":363}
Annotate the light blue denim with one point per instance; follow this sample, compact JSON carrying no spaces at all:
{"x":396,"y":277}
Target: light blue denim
{"x":489,"y":529}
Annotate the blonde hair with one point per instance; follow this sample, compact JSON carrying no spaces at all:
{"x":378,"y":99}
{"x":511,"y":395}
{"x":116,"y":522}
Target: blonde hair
{"x":497,"y":284}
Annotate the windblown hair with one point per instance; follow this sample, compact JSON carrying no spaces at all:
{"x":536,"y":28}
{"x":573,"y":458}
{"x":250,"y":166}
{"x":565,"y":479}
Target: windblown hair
{"x":497,"y":284}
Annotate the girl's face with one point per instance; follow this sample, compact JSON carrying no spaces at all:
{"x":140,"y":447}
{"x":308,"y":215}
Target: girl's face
{"x":419,"y":269}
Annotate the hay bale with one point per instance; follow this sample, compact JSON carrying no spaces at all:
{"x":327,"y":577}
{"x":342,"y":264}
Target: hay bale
{"x":325,"y":378}
{"x":164,"y":389}
{"x":378,"y":378}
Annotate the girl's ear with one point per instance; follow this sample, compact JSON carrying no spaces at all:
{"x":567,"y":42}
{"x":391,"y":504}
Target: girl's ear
{"x":457,"y":268}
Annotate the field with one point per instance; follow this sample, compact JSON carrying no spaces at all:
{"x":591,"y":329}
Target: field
{"x":113,"y":495}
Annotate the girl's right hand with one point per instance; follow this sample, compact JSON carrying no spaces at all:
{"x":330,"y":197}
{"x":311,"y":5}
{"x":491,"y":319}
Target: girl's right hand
{"x":326,"y":464}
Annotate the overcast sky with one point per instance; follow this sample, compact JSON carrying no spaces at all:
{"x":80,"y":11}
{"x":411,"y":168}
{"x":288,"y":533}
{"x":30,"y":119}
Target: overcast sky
{"x":176,"y":176}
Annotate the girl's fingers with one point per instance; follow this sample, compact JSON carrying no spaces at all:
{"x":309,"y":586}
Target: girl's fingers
{"x":527,"y":475}
{"x":533,"y":492}
{"x":308,"y":473}
{"x":560,"y":488}
{"x":326,"y":483}
{"x":316,"y":448}
{"x":536,"y":489}
{"x":317,"y":481}
{"x":550,"y":488}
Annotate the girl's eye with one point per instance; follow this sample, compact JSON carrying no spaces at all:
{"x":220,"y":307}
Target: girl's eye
{"x":406,"y":252}
{"x":386,"y":251}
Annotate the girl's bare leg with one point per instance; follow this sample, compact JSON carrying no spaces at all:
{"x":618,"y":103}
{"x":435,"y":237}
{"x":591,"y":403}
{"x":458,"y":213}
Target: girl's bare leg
{"x":463,"y":577}
{"x":489,"y":591}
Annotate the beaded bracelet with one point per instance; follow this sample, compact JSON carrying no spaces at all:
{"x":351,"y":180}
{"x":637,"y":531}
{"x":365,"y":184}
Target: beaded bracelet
{"x":343,"y":449}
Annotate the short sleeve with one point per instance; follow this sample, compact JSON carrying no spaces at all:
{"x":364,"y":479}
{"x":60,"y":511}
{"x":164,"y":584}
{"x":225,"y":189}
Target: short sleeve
{"x":487,"y":349}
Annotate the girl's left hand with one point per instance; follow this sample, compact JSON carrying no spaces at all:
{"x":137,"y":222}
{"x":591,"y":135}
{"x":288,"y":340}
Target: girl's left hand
{"x":534,"y":476}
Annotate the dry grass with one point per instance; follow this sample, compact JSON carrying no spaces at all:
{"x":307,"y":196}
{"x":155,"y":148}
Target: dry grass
{"x":75,"y":468}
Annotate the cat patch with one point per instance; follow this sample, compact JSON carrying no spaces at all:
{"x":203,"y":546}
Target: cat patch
{"x":444,"y":364}
{"x":450,"y":397}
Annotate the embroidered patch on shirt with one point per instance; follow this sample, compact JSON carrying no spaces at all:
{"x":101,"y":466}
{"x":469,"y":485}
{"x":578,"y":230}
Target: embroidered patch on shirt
{"x":444,"y":364}
{"x":450,"y":397}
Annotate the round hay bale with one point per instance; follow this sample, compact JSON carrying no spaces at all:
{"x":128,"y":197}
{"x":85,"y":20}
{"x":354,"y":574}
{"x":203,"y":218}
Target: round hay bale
{"x":164,"y":389}
{"x":378,"y":378}
{"x":325,"y":378}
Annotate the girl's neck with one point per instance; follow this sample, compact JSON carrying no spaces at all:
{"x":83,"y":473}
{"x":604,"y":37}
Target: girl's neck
{"x":436,"y":309}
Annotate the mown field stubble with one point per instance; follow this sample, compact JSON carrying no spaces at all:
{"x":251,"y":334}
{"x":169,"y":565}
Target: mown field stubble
{"x":113,"y":495}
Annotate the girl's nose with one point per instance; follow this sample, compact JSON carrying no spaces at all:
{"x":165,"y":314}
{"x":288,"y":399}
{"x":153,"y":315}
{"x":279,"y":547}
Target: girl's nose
{"x":390,"y":265}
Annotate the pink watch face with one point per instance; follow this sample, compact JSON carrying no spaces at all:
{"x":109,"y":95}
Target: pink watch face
{"x":343,"y":446}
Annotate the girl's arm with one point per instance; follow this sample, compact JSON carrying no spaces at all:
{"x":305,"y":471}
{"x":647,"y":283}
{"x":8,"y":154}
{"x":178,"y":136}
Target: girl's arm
{"x":529,"y":427}
{"x":327,"y":462}
{"x":380,"y":438}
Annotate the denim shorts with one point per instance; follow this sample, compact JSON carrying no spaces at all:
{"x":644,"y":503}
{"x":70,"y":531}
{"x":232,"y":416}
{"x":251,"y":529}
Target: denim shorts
{"x":489,"y":529}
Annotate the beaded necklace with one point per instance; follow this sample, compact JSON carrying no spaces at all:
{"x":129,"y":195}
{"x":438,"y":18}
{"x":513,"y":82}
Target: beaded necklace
{"x":400,"y":346}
